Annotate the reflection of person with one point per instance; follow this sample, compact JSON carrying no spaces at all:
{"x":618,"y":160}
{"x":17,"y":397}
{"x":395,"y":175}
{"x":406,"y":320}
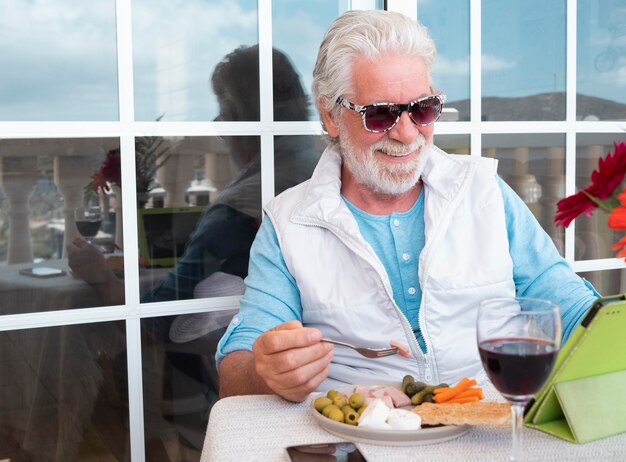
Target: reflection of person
{"x":224,"y":234}
{"x":390,"y":239}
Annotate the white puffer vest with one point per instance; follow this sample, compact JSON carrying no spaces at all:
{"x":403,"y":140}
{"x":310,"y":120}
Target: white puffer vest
{"x":345,"y":290}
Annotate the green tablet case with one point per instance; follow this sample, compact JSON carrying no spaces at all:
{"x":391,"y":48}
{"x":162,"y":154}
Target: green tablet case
{"x":585,"y":397}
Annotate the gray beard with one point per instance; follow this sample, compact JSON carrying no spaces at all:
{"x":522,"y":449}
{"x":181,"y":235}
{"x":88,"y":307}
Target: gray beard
{"x":390,"y":180}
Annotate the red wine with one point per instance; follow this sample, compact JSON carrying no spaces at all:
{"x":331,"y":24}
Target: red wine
{"x":88,"y":228}
{"x":517,"y":366}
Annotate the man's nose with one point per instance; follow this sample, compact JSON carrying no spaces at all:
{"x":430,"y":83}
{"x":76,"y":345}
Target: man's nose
{"x":405,"y":130}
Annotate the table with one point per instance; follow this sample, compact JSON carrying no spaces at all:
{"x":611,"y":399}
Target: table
{"x":27,"y":294}
{"x":258,"y":428}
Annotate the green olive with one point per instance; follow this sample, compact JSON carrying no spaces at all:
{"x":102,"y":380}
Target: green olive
{"x":321,"y":402}
{"x":356,"y":400}
{"x":340,"y":401}
{"x":351,"y":417}
{"x":361,"y":409}
{"x":328,"y":409}
{"x":336,"y":414}
{"x":332,"y":393}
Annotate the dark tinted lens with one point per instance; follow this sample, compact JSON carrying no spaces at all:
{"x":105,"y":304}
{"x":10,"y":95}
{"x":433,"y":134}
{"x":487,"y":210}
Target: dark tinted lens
{"x":380,"y":118}
{"x":426,"y":111}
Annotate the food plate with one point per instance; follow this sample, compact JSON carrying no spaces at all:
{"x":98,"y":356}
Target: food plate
{"x":425,"y":435}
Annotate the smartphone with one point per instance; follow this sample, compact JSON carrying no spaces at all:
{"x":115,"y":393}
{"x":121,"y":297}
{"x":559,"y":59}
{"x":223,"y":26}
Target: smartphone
{"x":42,"y":272}
{"x":340,"y":452}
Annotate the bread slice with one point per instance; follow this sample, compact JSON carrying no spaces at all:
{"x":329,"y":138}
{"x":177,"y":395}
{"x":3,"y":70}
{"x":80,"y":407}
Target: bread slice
{"x":477,"y":413}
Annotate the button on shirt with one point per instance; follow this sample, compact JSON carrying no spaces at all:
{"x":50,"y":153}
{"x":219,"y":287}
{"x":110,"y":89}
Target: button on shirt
{"x":398,"y":240}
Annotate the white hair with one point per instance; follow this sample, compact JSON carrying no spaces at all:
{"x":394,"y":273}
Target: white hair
{"x":368,"y":34}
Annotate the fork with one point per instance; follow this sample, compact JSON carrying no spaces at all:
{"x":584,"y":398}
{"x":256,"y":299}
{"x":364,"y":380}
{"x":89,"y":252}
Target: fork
{"x":367,"y":352}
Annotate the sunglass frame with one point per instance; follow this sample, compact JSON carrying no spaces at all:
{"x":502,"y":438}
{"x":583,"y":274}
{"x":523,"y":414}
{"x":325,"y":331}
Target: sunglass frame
{"x":402,"y":107}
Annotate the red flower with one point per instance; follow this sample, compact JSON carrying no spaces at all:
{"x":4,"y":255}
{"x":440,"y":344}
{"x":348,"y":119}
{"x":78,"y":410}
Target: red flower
{"x":617,"y":217}
{"x":604,"y":180}
{"x":571,"y":207}
{"x":621,"y":244}
{"x":109,"y":172}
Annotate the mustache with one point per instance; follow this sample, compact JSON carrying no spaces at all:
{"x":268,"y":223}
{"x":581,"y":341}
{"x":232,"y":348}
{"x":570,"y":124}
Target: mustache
{"x":396,"y":148}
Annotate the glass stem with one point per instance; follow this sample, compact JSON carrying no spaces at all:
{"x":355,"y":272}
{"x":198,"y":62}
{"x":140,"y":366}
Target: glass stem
{"x":517,"y":423}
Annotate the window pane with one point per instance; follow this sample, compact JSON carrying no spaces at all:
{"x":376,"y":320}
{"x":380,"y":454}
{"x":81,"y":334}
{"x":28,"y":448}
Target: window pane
{"x":295,"y":158}
{"x":534,"y":166}
{"x":58,"y":61}
{"x":63,"y":394}
{"x":176,"y":48}
{"x":453,"y":144}
{"x":201,"y":217}
{"x":607,"y":282}
{"x":298,"y":28}
{"x":42,"y":183}
{"x":451,"y":72}
{"x":180,"y":380}
{"x":601,"y":60}
{"x":593,"y":237}
{"x":523,"y":60}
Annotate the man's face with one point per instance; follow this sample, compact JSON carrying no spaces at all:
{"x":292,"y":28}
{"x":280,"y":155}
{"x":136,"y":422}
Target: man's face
{"x":390,"y":162}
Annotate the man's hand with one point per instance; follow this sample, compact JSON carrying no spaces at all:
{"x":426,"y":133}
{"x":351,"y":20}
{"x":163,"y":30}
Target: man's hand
{"x":86,"y":262}
{"x":292,"y":360}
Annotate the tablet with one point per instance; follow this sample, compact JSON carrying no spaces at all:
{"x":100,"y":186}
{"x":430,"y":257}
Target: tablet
{"x":585,"y":397}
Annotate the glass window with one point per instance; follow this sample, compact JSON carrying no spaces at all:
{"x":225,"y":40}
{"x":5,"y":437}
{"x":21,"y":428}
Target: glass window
{"x":453,"y":144}
{"x":45,"y":185}
{"x":180,"y":380}
{"x":601,"y":60}
{"x":607,"y":282}
{"x":534,"y":167}
{"x":451,"y":72}
{"x":523,"y":60}
{"x":176,"y":47}
{"x":201,"y":216}
{"x":593,"y":237}
{"x":295,"y":158}
{"x":298,"y":29}
{"x":63,"y":393}
{"x":58,"y":61}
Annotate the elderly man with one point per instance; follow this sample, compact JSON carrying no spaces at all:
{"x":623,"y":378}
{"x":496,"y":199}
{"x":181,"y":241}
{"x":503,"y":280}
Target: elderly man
{"x":391,"y":240}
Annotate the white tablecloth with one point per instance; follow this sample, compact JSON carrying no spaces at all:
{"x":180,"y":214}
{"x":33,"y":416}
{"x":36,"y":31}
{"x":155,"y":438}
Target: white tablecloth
{"x":258,"y":428}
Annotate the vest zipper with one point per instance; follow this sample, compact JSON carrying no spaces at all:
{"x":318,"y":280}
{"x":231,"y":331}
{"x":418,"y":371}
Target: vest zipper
{"x":408,"y":330}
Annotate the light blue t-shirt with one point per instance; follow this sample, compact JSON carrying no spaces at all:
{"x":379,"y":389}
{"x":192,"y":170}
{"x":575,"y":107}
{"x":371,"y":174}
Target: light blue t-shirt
{"x":538,"y":271}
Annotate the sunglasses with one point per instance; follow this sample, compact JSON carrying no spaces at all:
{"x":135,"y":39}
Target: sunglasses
{"x":382,"y":117}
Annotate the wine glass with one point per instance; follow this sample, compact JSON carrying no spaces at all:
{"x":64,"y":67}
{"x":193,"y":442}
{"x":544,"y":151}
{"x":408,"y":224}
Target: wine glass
{"x":88,"y":221}
{"x":518,"y":340}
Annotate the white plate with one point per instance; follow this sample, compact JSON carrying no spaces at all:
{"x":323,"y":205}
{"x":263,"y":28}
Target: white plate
{"x":425,"y":435}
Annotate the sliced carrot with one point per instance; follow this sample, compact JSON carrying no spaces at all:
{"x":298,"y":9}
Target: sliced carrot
{"x":469,"y":399}
{"x":477,"y":391}
{"x":449,"y":393}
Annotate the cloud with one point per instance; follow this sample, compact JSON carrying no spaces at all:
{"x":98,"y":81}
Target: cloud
{"x":493,"y":63}
{"x":452,"y":67}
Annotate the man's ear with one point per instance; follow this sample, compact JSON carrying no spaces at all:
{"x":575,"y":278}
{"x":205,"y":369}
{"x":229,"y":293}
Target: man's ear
{"x":328,"y":121}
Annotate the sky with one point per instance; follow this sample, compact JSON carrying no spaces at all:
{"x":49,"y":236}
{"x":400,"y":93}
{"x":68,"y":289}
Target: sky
{"x":58,"y":57}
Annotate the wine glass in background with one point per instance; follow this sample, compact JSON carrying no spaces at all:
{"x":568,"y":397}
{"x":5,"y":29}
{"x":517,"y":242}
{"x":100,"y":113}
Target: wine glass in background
{"x":518,"y":340}
{"x":88,"y":221}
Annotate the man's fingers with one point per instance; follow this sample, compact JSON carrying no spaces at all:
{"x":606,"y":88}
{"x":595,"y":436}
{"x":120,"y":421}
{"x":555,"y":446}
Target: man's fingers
{"x":289,"y":325}
{"x":297,"y":383}
{"x":274,"y":341}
